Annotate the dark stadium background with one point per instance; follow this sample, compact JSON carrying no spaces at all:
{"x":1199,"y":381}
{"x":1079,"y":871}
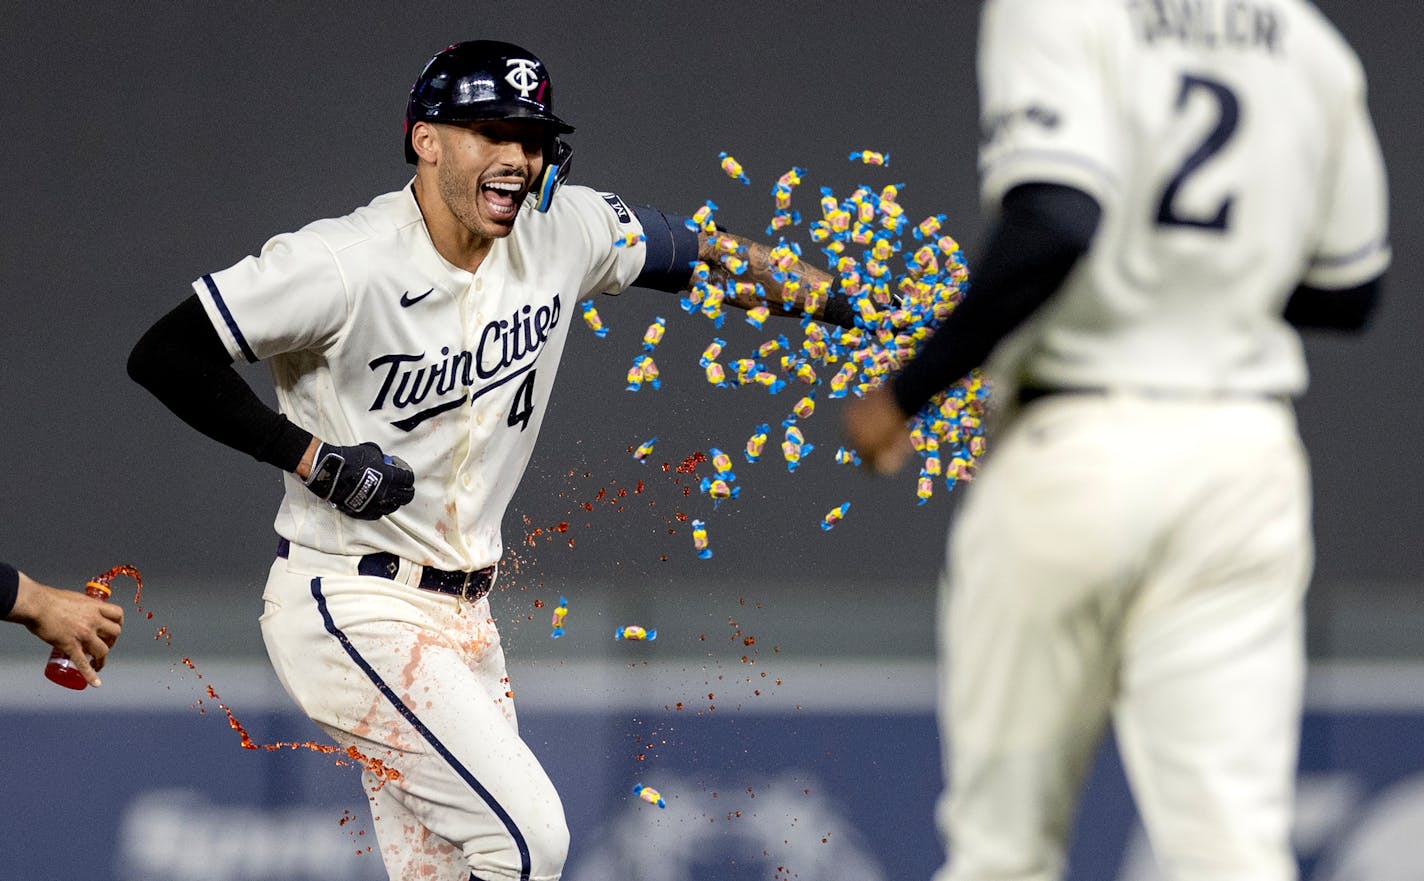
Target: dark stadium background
{"x":146,"y":144}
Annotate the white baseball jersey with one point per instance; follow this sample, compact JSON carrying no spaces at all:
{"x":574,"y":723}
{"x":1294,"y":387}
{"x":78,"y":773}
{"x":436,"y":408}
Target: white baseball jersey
{"x":1134,"y":557}
{"x":372,"y":336}
{"x":1230,"y":148}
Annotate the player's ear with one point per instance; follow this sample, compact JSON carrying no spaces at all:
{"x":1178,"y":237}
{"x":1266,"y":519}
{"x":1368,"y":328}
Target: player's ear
{"x":425,"y":140}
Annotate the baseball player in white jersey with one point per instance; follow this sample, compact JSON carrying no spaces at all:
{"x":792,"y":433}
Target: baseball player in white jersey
{"x":1176,"y":187}
{"x":413,"y":344}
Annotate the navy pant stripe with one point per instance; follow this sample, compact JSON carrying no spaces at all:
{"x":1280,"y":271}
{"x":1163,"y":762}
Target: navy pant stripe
{"x":425,"y":732}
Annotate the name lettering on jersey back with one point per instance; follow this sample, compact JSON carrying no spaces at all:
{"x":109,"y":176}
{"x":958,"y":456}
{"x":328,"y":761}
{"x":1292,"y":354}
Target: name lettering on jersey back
{"x":1207,"y":24}
{"x":505,"y":347}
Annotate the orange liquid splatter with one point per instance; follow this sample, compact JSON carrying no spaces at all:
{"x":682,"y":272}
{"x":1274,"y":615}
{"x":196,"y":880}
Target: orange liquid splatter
{"x":377,"y":767}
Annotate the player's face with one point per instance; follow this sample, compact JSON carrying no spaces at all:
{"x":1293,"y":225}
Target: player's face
{"x":485,"y":170}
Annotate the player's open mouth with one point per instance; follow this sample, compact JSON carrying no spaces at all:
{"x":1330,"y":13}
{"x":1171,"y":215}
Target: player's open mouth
{"x":502,"y":198}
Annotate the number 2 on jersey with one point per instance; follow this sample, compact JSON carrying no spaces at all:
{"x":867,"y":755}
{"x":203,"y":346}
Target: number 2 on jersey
{"x":523,"y":405}
{"x":1228,"y":116}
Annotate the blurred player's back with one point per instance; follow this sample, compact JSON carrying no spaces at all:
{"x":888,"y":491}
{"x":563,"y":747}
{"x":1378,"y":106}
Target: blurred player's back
{"x":1219,"y":152}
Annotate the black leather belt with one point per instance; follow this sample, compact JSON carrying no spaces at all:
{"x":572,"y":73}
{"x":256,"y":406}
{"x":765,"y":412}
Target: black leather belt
{"x":470,"y":585}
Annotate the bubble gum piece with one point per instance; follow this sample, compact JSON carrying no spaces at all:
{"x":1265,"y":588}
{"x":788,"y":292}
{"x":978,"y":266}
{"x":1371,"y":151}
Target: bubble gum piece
{"x":766,"y":349}
{"x":633,"y":631}
{"x":701,"y":221}
{"x":782,"y":194}
{"x":781,"y":220}
{"x":719,"y":490}
{"x":783,"y":255}
{"x":805,"y":407}
{"x":932,"y":466}
{"x":794,"y":447}
{"x":924,"y":488}
{"x":712,"y":351}
{"x":757,"y":442}
{"x":649,"y":795}
{"x":716,"y":375}
{"x":654,"y":334}
{"x":847,"y":457}
{"x":772,"y":382}
{"x":733,"y":168}
{"x":870,"y":157}
{"x":699,"y":539}
{"x":645,"y":449}
{"x":930,"y":226}
{"x":722,"y":462}
{"x":841,"y":381}
{"x":560,"y":613}
{"x":745,"y":369}
{"x":925,"y":259}
{"x":592,"y":319}
{"x":834,"y":516}
{"x":734,"y":264}
{"x":629,"y":239}
{"x":635,"y":376}
{"x":790,"y":286}
{"x":644,"y":369}
{"x":756,"y":316}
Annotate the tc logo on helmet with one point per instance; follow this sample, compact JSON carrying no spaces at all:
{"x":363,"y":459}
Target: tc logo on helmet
{"x":523,"y":75}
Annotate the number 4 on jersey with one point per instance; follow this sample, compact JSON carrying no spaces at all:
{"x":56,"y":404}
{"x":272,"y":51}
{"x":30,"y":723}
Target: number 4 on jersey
{"x":523,"y":405}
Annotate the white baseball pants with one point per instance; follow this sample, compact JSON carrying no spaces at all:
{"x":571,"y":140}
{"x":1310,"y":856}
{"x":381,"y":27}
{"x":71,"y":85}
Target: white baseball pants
{"x":1140,"y":560}
{"x":417,"y":679}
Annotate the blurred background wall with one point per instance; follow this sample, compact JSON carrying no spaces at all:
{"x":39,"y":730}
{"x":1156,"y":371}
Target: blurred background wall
{"x":148,"y":144}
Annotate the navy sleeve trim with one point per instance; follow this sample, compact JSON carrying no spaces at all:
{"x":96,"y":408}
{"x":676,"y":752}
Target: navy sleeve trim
{"x":9,"y":588}
{"x":671,"y":251}
{"x":231,"y":322}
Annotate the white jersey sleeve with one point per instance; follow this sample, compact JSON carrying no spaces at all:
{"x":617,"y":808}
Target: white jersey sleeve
{"x":606,"y":225}
{"x":293,"y":298}
{"x":1353,"y":246}
{"x":1044,"y":114}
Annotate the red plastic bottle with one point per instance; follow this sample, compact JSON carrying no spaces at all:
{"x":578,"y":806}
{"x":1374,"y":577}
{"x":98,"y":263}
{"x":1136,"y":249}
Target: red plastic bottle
{"x":60,"y":670}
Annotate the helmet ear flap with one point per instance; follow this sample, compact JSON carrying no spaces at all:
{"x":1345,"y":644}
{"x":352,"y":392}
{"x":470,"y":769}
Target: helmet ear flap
{"x":557,"y":156}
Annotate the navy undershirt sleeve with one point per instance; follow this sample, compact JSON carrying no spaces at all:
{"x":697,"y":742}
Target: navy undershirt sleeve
{"x":183,"y":362}
{"x":671,"y":251}
{"x":1347,"y":309}
{"x":1042,"y":231}
{"x":9,"y":588}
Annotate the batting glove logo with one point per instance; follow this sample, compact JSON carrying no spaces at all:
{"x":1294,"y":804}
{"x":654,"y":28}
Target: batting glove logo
{"x":361,"y":481}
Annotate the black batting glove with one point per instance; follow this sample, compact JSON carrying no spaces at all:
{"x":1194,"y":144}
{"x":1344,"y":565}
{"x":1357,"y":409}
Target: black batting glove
{"x":361,"y":481}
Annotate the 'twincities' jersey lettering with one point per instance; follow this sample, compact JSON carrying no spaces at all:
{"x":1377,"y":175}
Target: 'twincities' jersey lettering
{"x":410,"y":379}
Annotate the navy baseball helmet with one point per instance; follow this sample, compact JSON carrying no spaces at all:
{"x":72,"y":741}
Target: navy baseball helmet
{"x":483,"y":79}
